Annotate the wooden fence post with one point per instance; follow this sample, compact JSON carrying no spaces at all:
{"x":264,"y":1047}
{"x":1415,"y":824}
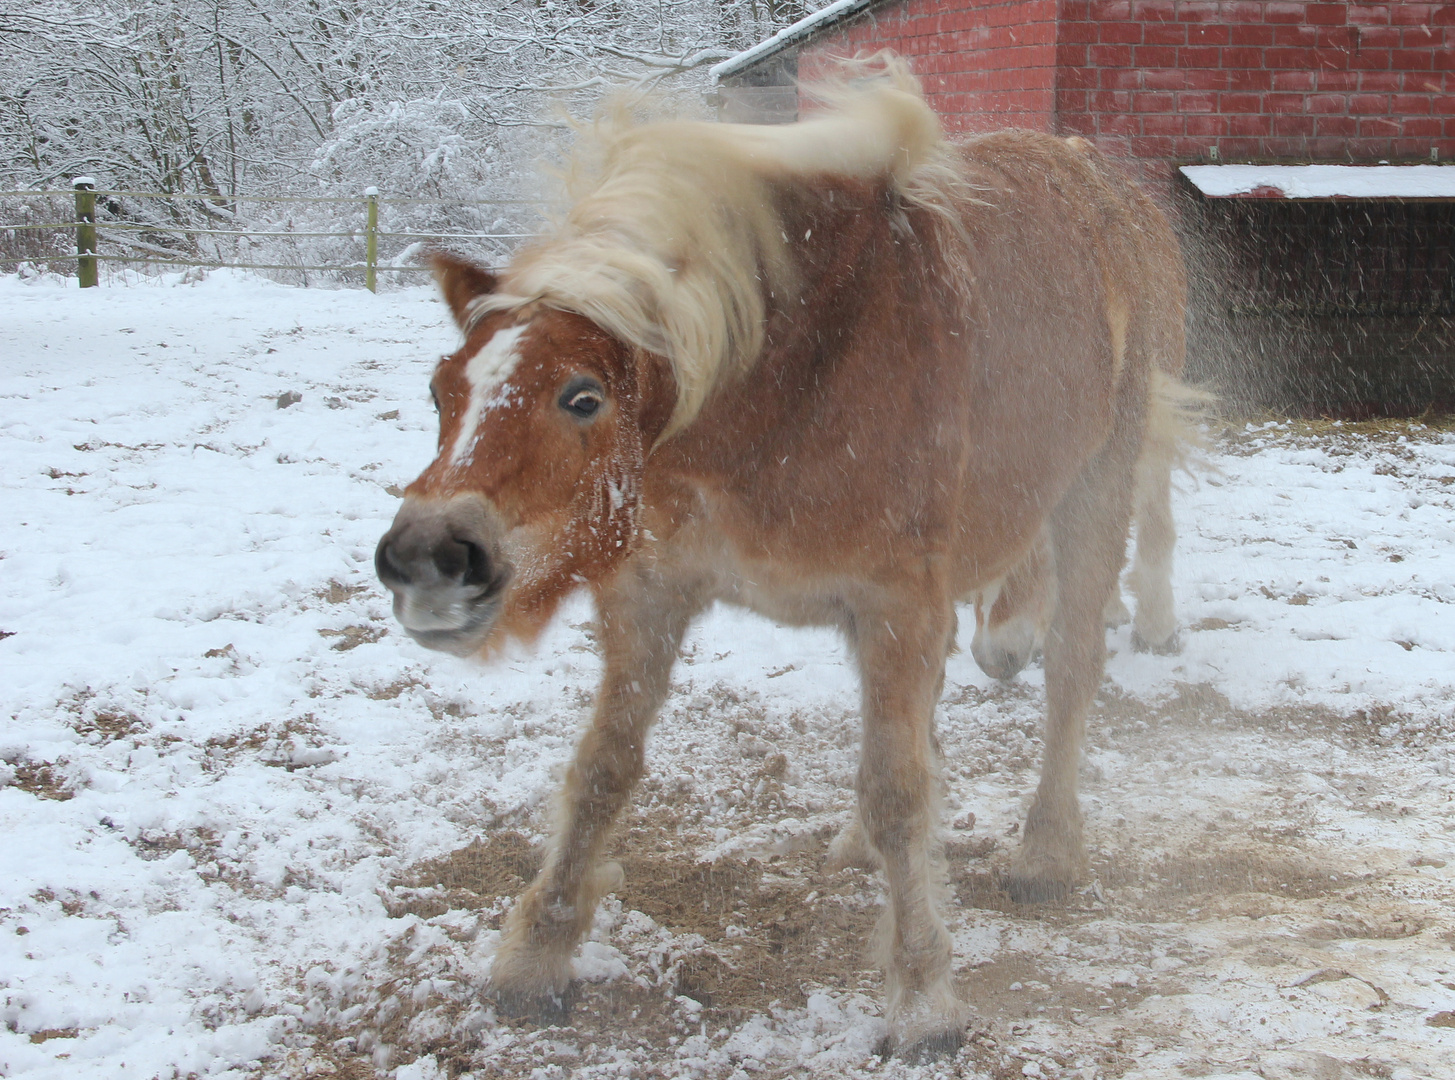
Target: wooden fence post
{"x":371,"y":239}
{"x":85,"y":231}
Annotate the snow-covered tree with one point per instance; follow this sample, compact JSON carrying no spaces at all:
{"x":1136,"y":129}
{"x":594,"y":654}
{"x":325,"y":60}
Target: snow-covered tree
{"x":441,"y":99}
{"x":230,"y":96}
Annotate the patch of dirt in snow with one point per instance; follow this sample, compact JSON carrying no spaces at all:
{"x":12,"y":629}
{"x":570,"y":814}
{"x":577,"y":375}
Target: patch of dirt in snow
{"x":43,"y":779}
{"x":338,"y":592}
{"x":757,"y":920}
{"x":351,"y":637}
{"x":1336,"y":438}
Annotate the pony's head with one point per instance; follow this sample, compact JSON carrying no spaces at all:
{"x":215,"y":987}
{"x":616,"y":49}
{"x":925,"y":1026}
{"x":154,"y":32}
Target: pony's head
{"x":545,"y":424}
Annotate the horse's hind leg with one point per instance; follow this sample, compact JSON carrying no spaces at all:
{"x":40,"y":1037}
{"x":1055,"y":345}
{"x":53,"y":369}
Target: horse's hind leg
{"x":1010,"y":632}
{"x":642,"y":623}
{"x":1088,"y":531}
{"x":901,"y":654}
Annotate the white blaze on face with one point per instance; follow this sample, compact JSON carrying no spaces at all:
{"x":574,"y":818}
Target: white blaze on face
{"x":486,"y":371}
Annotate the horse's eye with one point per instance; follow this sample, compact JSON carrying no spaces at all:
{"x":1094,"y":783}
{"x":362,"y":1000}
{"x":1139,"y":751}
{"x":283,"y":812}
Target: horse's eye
{"x":583,"y":403}
{"x":582,"y":398}
{"x":435,"y":398}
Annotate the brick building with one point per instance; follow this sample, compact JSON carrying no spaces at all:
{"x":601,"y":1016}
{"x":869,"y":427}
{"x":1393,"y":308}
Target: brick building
{"x":1332,"y":296}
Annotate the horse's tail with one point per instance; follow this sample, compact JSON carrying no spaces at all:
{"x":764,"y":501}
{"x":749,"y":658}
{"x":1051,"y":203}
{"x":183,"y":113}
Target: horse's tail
{"x":1177,"y":413}
{"x":1173,"y":439}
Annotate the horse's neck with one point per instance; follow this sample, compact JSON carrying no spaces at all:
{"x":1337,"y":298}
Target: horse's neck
{"x":833,"y":352}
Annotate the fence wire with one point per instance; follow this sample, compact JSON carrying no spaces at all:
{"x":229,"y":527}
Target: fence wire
{"x":147,"y":229}
{"x":398,"y":201}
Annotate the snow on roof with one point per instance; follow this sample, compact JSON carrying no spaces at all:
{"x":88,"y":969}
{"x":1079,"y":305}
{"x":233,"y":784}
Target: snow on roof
{"x":1323,"y":181}
{"x":789,"y":35}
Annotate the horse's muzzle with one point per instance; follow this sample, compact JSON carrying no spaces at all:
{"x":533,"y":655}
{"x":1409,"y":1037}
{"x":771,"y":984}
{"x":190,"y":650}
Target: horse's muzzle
{"x":441,"y":560}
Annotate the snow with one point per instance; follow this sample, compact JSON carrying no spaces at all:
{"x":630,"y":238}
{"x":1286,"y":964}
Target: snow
{"x":839,"y":9}
{"x":222,"y":760}
{"x":1323,"y":181}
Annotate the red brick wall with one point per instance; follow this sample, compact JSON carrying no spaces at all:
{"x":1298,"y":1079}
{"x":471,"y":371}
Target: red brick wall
{"x":1258,"y":79}
{"x":1169,"y":80}
{"x":985,"y":64}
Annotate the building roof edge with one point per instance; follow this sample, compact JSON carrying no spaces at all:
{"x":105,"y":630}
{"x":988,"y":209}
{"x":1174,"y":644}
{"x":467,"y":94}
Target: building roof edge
{"x":1323,"y":181}
{"x":804,"y":28}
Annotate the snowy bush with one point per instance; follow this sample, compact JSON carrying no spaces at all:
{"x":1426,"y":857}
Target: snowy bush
{"x":404,"y":146}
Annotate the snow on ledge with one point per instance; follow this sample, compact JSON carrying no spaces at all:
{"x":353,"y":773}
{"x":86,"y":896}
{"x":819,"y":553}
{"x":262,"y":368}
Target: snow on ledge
{"x":1323,"y":181}
{"x":789,"y":35}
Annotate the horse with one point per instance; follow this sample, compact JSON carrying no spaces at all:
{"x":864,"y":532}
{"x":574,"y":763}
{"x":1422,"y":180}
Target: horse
{"x":841,"y":372}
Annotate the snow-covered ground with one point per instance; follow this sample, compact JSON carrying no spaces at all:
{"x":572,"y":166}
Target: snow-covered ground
{"x":251,"y":830}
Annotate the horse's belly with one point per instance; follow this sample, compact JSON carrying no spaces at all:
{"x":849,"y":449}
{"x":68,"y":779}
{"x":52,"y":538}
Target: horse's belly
{"x":817,"y":568}
{"x":787,"y":598}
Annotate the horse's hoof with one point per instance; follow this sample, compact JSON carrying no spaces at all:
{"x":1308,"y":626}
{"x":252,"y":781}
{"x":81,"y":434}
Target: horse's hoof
{"x":1001,"y":664}
{"x":1169,"y":646}
{"x":1052,"y":854}
{"x":542,"y":1008}
{"x":851,"y":850}
{"x":1035,"y":889}
{"x":1002,"y":651}
{"x":1115,"y":614}
{"x":924,"y":1050}
{"x":936,"y":1047}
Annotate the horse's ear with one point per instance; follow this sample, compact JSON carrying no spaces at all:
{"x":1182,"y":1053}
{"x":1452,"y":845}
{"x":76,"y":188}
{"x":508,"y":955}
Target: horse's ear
{"x":460,"y":282}
{"x":658,"y":391}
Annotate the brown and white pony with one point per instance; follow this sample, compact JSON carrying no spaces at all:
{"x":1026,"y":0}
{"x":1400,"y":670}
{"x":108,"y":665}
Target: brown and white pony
{"x":842,"y":372}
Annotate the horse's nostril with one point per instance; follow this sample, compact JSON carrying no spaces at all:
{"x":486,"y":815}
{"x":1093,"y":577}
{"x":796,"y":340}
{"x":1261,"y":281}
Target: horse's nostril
{"x":463,"y":561}
{"x":444,"y":558}
{"x":386,"y":566}
{"x":478,"y":570}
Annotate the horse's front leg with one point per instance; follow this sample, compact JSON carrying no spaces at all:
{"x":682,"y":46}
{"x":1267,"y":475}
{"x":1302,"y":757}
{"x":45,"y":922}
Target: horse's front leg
{"x":901,"y":654}
{"x":642,"y":620}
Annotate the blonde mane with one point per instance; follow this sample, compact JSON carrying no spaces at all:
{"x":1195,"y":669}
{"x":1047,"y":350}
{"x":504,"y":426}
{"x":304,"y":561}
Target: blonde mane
{"x":673,"y":241}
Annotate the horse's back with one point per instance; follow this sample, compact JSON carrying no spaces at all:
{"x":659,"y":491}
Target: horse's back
{"x":1074,"y":211}
{"x":1064,"y":263}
